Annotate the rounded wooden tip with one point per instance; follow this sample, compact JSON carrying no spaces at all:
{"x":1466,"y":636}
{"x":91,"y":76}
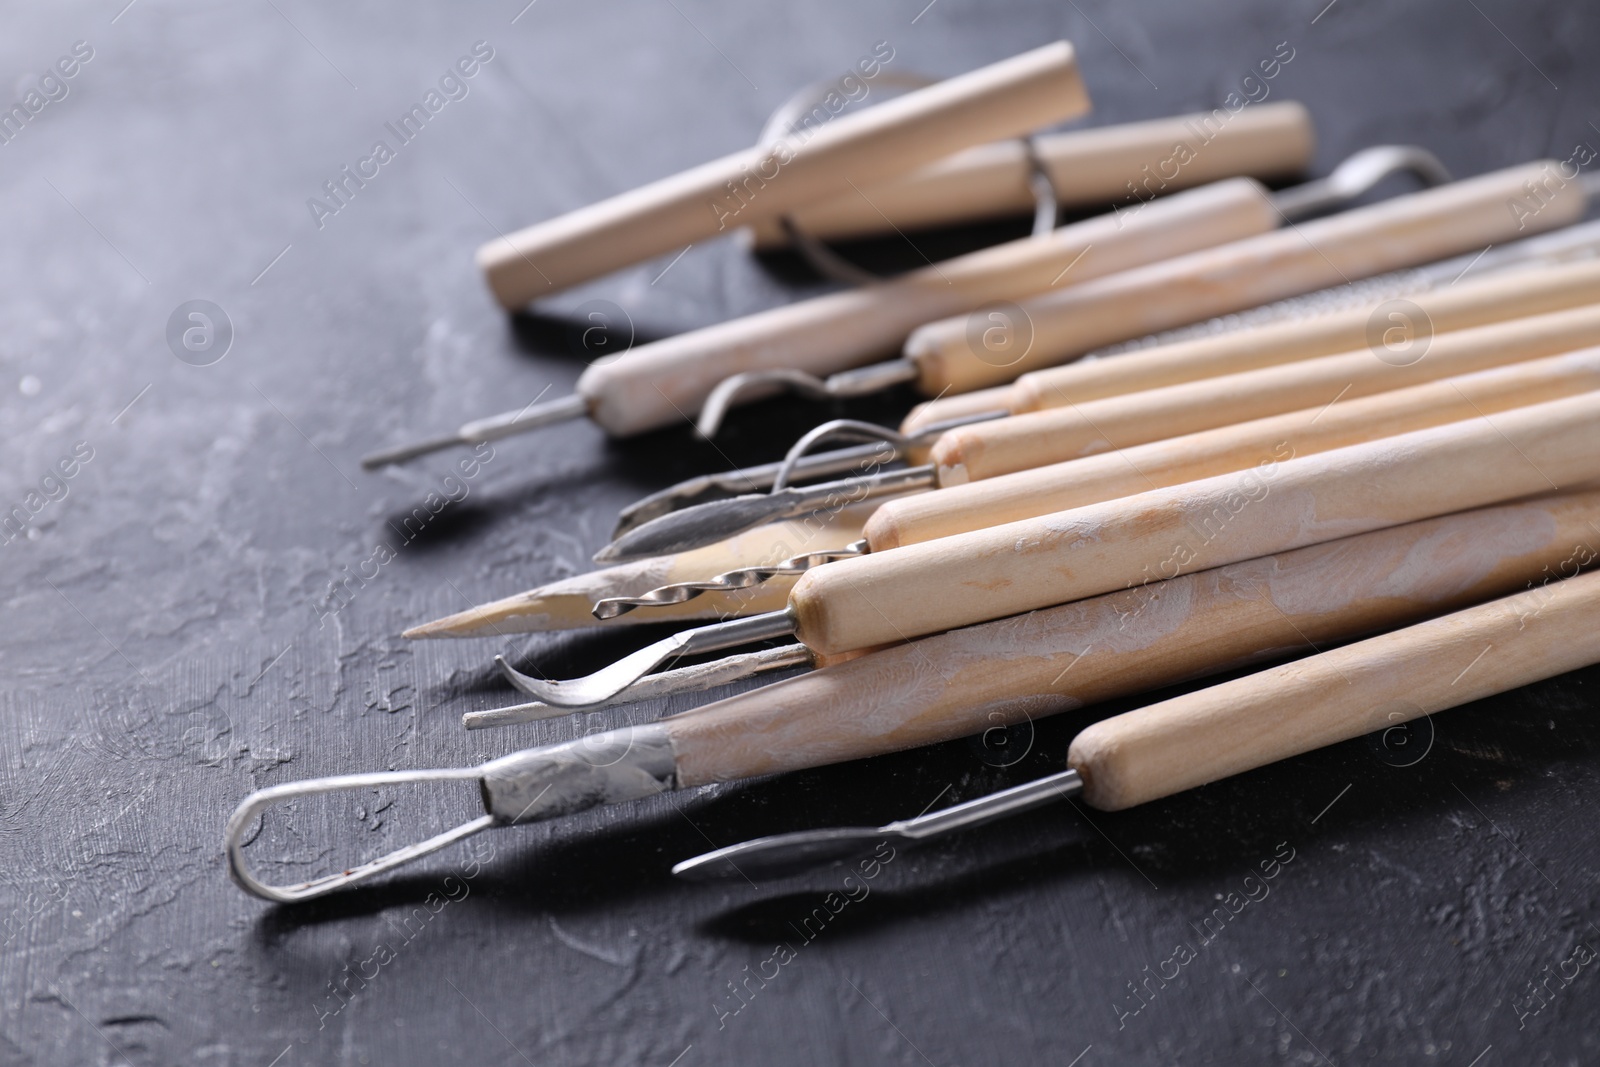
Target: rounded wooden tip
{"x":882,"y":531}
{"x":952,"y":454}
{"x":1109,"y":769}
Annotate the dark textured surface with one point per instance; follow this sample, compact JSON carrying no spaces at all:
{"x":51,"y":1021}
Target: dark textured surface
{"x":162,"y":651}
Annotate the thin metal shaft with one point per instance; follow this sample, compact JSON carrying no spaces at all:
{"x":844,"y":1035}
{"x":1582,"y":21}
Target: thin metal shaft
{"x":799,"y":464}
{"x":708,"y":487}
{"x":781,"y":855}
{"x":704,"y":524}
{"x":492,"y":428}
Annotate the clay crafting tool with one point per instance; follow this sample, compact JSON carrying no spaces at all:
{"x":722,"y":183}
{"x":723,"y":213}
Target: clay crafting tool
{"x":569,"y":603}
{"x":1127,"y":163}
{"x":990,"y":449}
{"x":878,"y":599}
{"x":1552,"y":271}
{"x":1005,"y":99}
{"x":667,"y":381}
{"x":1237,"y":726}
{"x":1200,"y":622}
{"x":993,"y":345}
{"x":999,"y":673}
{"x":1320,"y":323}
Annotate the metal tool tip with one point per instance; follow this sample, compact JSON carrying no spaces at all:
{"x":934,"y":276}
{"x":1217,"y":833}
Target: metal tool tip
{"x":782,"y":855}
{"x":696,"y":526}
{"x":612,"y":608}
{"x":406,"y":453}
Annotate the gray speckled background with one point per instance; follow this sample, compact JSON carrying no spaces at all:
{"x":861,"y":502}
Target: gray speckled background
{"x":161,"y":653}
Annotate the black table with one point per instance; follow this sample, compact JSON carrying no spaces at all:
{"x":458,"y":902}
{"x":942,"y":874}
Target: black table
{"x":168,"y":648}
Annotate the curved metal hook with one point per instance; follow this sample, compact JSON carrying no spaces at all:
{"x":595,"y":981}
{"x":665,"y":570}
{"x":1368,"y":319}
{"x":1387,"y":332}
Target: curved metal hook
{"x":245,"y":815}
{"x":752,"y":385}
{"x":1358,"y":174}
{"x":619,"y":677}
{"x":842,"y":430}
{"x":662,"y":684}
{"x":824,"y":260}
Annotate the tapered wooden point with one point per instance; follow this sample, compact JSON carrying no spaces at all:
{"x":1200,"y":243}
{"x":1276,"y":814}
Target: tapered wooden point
{"x":484,"y":620}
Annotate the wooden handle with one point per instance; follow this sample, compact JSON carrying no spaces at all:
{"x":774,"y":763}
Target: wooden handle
{"x":1004,"y":99}
{"x":1036,"y":563}
{"x":1496,"y":298}
{"x":1058,"y":487}
{"x":999,"y":673}
{"x":664,"y":382}
{"x":1023,"y":442}
{"x":1123,"y":164}
{"x":1368,"y":686}
{"x":1451,"y":219}
{"x":1512,"y":294}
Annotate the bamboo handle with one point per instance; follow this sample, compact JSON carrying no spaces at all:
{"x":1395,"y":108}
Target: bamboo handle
{"x":665,"y":382}
{"x":1253,"y":721}
{"x":1005,"y":99}
{"x":1125,"y":163}
{"x":1005,"y":672}
{"x":1023,"y":566}
{"x":1023,"y":442}
{"x":1514,"y":294}
{"x":1127,"y":472}
{"x":1405,"y":231}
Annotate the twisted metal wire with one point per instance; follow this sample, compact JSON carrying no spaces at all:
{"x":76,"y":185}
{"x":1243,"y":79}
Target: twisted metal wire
{"x":727,"y":582}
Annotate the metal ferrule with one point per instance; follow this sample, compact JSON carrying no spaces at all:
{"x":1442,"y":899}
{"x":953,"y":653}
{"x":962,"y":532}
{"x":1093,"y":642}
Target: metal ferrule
{"x":555,"y":780}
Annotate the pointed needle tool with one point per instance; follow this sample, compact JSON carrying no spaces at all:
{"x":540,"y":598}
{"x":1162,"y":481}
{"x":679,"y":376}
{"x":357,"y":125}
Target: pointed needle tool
{"x":531,"y":417}
{"x":1166,"y":748}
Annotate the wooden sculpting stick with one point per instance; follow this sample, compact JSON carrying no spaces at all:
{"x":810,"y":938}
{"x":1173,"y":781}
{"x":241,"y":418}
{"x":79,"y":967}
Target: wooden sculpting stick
{"x":1005,"y":99}
{"x":1009,"y":671}
{"x":1056,"y":435}
{"x":1394,"y":325}
{"x":1344,"y":693}
{"x":1022,"y":566}
{"x":1359,"y":243}
{"x":1123,"y":164}
{"x":1170,"y":461}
